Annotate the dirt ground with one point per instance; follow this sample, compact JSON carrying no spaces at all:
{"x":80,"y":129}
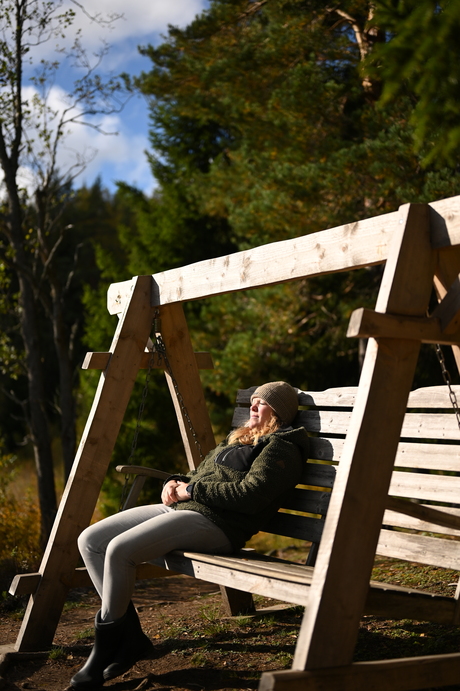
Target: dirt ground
{"x":196,"y":646}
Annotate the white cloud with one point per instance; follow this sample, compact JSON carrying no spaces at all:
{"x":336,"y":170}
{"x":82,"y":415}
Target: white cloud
{"x":116,"y":156}
{"x":120,"y":157}
{"x":142,"y":17}
{"x":139,"y":21}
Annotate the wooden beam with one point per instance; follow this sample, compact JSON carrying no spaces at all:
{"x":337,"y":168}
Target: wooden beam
{"x":27,"y":583}
{"x":89,"y":469}
{"x":185,"y":385}
{"x":366,"y":323}
{"x":430,"y":671}
{"x":101,"y":360}
{"x":446,"y":276}
{"x":346,"y":554}
{"x":349,"y":246}
{"x":423,"y":513}
{"x":448,"y":310}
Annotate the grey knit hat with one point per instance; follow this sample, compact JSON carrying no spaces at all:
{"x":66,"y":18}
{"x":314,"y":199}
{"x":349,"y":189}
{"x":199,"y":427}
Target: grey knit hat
{"x":280,"y":396}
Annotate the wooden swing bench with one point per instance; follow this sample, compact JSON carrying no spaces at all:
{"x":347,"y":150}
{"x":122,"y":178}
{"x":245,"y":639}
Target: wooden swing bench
{"x":396,"y":489}
{"x":427,"y":470}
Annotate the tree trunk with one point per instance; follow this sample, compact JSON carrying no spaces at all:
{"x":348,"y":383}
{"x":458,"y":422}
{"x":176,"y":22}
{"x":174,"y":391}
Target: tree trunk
{"x":63,"y":346}
{"x":36,"y":413}
{"x":37,"y":419}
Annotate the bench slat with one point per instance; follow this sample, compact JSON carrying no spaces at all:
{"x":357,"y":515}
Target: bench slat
{"x":425,"y":397}
{"x":308,"y":501}
{"x":400,"y":520}
{"x":394,"y":603}
{"x":416,"y":425}
{"x":419,"y":548}
{"x":340,"y":396}
{"x":318,"y":475}
{"x":428,"y":456}
{"x":289,"y":584}
{"x":410,"y":454}
{"x":440,"y":488}
{"x":297,"y":527}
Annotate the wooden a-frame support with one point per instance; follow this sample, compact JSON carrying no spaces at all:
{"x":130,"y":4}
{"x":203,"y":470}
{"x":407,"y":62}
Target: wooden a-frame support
{"x":329,"y":630}
{"x":419,"y":244}
{"x":97,"y":443}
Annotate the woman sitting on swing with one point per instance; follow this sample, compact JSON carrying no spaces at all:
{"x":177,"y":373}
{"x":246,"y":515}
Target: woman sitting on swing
{"x":214,"y":509}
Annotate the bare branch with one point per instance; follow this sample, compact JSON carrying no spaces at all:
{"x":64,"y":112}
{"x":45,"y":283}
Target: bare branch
{"x":99,"y":18}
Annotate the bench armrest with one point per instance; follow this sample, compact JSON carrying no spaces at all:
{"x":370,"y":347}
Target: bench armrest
{"x":142,"y":470}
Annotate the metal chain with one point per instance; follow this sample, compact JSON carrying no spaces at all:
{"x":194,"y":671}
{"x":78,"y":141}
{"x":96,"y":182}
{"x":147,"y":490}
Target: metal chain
{"x":162,"y":354}
{"x":448,"y":382}
{"x":140,"y":415}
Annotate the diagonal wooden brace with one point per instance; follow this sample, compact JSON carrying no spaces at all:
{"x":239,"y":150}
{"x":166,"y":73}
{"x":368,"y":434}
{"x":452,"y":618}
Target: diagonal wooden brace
{"x":88,"y":471}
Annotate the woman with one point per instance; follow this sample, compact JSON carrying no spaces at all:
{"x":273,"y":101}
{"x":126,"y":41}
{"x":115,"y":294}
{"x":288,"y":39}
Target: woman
{"x":214,"y":509}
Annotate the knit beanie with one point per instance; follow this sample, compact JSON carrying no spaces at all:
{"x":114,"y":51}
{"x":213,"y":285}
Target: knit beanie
{"x":281,"y":397}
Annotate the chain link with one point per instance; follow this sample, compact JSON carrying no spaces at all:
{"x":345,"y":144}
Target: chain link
{"x":140,"y":415}
{"x":448,"y":382}
{"x":162,"y":354}
{"x":159,"y":349}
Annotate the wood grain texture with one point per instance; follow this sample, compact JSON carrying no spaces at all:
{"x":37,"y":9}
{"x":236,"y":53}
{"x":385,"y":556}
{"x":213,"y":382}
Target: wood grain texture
{"x":349,"y":246}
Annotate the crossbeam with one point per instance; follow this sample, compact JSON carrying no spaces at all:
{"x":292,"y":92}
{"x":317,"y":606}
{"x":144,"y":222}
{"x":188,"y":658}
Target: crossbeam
{"x":399,"y":675}
{"x":349,"y":246}
{"x":101,"y":360}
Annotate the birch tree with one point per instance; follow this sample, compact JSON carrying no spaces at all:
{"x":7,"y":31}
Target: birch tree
{"x":37,"y":38}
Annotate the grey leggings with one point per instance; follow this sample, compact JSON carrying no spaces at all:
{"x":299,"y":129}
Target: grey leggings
{"x":113,"y":547}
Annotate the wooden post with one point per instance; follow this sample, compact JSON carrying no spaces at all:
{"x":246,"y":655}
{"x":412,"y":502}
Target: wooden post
{"x":185,"y":385}
{"x":403,"y":674}
{"x":88,"y":471}
{"x":446,"y":282}
{"x":346,"y":554}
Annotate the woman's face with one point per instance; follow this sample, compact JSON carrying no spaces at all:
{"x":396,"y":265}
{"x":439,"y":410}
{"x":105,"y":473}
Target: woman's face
{"x":260,"y":413}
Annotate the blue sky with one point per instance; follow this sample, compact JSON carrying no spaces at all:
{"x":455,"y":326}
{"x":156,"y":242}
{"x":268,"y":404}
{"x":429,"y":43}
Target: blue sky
{"x":121,"y":156}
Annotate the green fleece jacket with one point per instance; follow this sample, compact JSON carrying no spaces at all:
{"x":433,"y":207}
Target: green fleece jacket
{"x":241,"y":499}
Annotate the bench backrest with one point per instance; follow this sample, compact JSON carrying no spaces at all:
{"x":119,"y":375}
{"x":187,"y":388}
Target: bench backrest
{"x":427,"y":468}
{"x":302,"y":514}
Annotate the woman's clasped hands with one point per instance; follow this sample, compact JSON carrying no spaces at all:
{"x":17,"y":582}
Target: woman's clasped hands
{"x":174,"y":491}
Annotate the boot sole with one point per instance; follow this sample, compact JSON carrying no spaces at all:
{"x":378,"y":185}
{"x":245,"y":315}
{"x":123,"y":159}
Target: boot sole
{"x":121,"y":670}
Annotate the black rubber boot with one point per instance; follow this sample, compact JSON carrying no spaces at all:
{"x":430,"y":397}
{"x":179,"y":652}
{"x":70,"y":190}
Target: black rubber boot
{"x":135,"y":645}
{"x":107,"y":640}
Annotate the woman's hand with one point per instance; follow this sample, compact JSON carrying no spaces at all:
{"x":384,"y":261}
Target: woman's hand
{"x":181,"y":491}
{"x":174,"y":491}
{"x":168,"y":495}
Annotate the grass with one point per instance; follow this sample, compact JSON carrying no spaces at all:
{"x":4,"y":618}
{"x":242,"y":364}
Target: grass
{"x":57,"y":653}
{"x":85,"y":634}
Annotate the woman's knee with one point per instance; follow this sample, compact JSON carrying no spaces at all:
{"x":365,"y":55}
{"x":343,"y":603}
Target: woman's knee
{"x":119,"y":551}
{"x":87,"y":541}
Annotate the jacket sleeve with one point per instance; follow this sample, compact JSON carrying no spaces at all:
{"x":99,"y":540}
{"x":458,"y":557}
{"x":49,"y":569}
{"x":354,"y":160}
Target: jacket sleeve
{"x":276,"y":470}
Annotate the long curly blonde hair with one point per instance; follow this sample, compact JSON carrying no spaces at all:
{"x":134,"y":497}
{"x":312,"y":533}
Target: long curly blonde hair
{"x":248,"y":435}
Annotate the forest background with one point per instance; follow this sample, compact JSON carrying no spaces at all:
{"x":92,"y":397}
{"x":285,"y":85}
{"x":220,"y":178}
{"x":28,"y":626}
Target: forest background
{"x":269,"y":119}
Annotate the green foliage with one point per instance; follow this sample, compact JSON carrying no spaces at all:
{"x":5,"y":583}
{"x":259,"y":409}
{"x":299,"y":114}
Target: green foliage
{"x":20,"y":548}
{"x":421,"y":58}
{"x":259,"y":110}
